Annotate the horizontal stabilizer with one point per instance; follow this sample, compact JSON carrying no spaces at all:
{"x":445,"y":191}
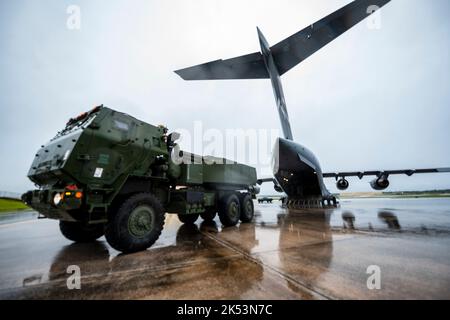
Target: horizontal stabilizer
{"x":293,"y":50}
{"x":289,"y":52}
{"x":250,"y":66}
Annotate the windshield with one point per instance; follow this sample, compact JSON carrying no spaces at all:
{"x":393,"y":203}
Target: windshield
{"x":78,"y":123}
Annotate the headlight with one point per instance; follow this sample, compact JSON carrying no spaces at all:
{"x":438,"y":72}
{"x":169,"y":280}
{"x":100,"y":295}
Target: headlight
{"x":57,"y":198}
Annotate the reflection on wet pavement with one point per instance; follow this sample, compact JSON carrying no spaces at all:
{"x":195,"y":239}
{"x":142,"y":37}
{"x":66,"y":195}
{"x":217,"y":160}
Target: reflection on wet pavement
{"x":11,"y":217}
{"x":303,"y":254}
{"x":390,"y":219}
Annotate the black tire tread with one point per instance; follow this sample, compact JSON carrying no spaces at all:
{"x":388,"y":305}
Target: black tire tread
{"x":188,"y":218}
{"x":79,"y":232}
{"x":223,"y":210}
{"x":246,"y":217}
{"x":113,"y":227}
{"x":208,"y":215}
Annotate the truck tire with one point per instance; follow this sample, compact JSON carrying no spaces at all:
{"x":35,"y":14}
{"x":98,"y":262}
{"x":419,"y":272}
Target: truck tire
{"x":247,"y":208}
{"x":208,"y":215}
{"x":188,"y":218}
{"x":80,"y":232}
{"x":137,"y":223}
{"x":229,"y":210}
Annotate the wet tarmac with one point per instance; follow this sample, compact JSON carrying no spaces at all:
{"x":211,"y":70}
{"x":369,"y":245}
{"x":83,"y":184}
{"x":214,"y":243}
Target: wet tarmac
{"x":303,"y":254}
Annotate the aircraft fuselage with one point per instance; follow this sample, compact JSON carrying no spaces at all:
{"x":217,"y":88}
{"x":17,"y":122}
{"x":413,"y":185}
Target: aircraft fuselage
{"x":298,"y":173}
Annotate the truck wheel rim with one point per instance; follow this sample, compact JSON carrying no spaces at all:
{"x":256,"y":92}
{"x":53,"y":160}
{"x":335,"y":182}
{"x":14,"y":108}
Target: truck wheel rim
{"x":140,"y":222}
{"x":234,"y":210}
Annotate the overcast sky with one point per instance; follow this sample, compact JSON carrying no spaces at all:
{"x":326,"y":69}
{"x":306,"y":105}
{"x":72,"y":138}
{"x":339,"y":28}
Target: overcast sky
{"x":372,"y":99}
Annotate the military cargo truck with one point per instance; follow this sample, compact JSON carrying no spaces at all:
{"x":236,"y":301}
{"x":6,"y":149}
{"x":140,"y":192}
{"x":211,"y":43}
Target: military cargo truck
{"x":107,"y":173}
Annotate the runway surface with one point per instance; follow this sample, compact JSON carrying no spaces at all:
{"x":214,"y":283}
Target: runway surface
{"x":305,"y":254}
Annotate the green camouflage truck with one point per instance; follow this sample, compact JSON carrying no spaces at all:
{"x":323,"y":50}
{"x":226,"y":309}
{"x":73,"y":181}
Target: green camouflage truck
{"x":107,"y":173}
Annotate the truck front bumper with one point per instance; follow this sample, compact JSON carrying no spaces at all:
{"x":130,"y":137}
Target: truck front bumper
{"x":54,"y":203}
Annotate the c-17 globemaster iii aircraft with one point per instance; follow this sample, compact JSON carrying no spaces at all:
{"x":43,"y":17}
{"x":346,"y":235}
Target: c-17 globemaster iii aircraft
{"x":296,"y":170}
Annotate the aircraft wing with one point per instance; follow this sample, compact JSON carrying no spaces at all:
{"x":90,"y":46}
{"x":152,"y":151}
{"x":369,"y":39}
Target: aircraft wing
{"x":250,"y":66}
{"x":361,"y":174}
{"x":298,"y":47}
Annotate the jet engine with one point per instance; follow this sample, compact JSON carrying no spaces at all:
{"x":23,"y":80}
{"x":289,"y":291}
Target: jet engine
{"x":342,"y":184}
{"x":380,"y":183}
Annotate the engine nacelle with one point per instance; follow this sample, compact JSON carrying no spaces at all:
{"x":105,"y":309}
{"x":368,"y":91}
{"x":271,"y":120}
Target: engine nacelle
{"x":255,"y":189}
{"x":342,"y":184}
{"x":379,"y":183}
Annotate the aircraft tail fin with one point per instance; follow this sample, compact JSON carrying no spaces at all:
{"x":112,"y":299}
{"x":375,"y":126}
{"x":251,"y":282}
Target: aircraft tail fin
{"x":272,"y":62}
